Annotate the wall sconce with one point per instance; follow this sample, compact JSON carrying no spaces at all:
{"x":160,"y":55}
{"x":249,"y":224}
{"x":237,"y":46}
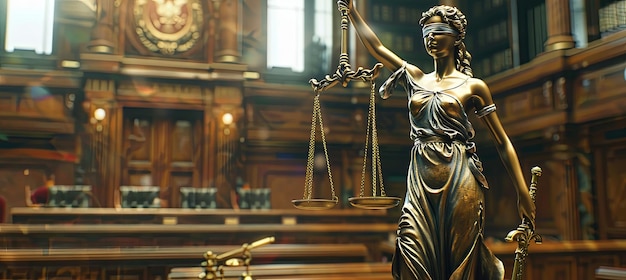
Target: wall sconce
{"x":227,"y":120}
{"x":225,"y":150}
{"x":99,"y":115}
{"x":97,"y":147}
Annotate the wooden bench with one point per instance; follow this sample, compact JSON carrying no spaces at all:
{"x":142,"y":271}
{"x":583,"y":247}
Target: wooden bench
{"x":572,"y":260}
{"x":334,"y":271}
{"x":48,"y":215}
{"x":611,"y":273}
{"x":151,"y":262}
{"x":275,"y":253}
{"x":108,"y":235}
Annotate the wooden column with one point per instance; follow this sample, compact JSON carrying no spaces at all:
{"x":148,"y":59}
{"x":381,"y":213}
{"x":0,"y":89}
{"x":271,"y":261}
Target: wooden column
{"x":228,"y":101}
{"x":559,"y":25}
{"x":102,"y":35}
{"x":565,"y":172}
{"x":103,"y":161}
{"x":228,"y":32}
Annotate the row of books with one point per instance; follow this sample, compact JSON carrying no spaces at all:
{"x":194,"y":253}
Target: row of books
{"x":612,"y":17}
{"x":493,"y":33}
{"x":401,"y":42}
{"x":493,"y":64}
{"x":486,"y":5}
{"x":396,"y":14}
{"x":411,"y":13}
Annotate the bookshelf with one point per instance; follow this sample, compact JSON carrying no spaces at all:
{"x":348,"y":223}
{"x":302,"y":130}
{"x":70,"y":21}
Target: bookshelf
{"x":532,"y":27}
{"x":397,"y":25}
{"x":611,"y":16}
{"x":488,"y":36}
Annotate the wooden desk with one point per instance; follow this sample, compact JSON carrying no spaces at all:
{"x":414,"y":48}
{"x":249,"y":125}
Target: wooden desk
{"x":611,"y":273}
{"x":336,"y":271}
{"x":45,"y":215}
{"x":155,"y":262}
{"x":572,"y":260}
{"x":110,"y":235}
{"x":185,"y":255}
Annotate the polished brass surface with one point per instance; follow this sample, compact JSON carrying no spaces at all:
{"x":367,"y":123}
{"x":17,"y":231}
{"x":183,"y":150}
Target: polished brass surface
{"x":525,"y":233}
{"x":375,"y":202}
{"x":440,"y":234}
{"x":343,"y":74}
{"x":314,"y":203}
{"x":214,"y":264}
{"x":169,"y":27}
{"x":307,"y":201}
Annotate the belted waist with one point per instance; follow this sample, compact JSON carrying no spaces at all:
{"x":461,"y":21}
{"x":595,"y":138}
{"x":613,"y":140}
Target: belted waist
{"x":436,"y":139}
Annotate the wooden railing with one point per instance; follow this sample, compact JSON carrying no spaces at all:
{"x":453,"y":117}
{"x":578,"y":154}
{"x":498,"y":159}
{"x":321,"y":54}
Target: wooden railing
{"x":336,"y":271}
{"x":156,"y":262}
{"x":126,"y":235}
{"x":48,"y":215}
{"x":572,"y":260}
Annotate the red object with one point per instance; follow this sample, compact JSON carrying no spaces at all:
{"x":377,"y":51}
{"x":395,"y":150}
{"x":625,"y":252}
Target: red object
{"x":40,"y":195}
{"x":3,"y":209}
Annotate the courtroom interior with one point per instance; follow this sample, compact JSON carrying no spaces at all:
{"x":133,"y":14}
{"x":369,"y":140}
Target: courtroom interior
{"x":150,"y":139}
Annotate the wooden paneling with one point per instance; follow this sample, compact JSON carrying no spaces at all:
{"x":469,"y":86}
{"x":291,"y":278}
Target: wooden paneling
{"x":609,"y":144}
{"x":162,"y":148}
{"x":599,"y":94}
{"x":141,"y":235}
{"x":36,"y":215}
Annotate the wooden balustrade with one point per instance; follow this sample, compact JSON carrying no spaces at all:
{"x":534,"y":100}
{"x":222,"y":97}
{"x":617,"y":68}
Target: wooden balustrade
{"x":572,"y":260}
{"x":108,"y":235}
{"x":50,"y":215}
{"x":336,"y":271}
{"x":153,"y":262}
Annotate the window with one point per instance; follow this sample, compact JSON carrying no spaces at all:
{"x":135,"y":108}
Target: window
{"x":29,"y":25}
{"x":579,"y":23}
{"x":285,"y":34}
{"x":299,"y":34}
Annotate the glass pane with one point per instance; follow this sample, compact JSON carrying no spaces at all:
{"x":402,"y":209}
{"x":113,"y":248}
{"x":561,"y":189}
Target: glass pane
{"x":29,"y":25}
{"x":324,"y":29}
{"x":285,"y":34}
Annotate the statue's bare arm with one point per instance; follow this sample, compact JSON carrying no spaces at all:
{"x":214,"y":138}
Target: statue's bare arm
{"x":374,"y":46}
{"x":481,"y":98}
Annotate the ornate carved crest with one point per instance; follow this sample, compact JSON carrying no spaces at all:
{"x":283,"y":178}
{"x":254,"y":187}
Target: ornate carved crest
{"x":168,"y":26}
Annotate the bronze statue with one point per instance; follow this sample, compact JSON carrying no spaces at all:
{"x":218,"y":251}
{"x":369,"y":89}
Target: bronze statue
{"x":440,"y":231}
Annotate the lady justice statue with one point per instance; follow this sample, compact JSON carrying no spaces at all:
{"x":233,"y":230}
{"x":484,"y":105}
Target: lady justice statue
{"x":440,"y":231}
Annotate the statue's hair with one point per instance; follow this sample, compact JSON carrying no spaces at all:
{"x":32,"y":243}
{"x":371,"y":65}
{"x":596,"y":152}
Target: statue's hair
{"x":456,"y":19}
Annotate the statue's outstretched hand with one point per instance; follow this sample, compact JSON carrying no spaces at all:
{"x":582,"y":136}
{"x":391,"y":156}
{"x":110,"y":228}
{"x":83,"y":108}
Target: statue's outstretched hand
{"x":526,"y":207}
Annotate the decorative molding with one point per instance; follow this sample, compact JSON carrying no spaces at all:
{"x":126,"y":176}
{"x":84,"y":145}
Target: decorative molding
{"x":168,"y":27}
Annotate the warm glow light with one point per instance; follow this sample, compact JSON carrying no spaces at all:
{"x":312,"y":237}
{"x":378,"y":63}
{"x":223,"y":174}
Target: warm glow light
{"x":99,"y":114}
{"x":227,"y":118}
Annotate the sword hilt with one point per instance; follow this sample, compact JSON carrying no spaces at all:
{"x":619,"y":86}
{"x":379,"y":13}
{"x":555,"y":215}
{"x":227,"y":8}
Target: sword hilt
{"x":524,"y":233}
{"x":532,"y":190}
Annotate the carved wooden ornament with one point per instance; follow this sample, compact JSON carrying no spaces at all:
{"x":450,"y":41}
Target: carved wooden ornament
{"x":168,"y":26}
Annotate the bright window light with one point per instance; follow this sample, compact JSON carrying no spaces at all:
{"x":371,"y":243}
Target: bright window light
{"x":29,"y":25}
{"x":285,"y":34}
{"x":324,"y":10}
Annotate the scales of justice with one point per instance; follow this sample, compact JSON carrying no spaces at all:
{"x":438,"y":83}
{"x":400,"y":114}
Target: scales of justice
{"x":524,"y":234}
{"x":343,"y":75}
{"x":215,"y":264}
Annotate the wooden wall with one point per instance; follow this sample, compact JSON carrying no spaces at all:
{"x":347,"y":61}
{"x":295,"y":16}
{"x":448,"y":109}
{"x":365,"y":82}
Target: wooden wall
{"x":164,"y":126}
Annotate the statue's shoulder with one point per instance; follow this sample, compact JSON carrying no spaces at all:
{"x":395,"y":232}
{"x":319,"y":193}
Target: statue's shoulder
{"x":478,"y":86}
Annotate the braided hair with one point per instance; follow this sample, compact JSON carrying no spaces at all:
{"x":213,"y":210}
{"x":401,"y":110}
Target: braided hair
{"x":456,"y":19}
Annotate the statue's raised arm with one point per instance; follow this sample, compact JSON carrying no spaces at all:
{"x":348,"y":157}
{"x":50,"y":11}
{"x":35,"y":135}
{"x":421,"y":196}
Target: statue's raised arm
{"x":372,"y":43}
{"x":440,"y":231}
